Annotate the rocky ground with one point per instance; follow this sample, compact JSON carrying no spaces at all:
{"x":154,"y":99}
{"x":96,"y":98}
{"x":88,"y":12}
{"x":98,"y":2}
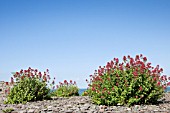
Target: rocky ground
{"x":83,"y":104}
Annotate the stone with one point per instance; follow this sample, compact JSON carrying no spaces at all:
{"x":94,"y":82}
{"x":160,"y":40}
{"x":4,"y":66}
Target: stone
{"x":19,"y":106}
{"x":101,"y":110}
{"x":68,"y":111}
{"x":147,"y":111}
{"x":128,"y":109}
{"x":44,"y":109}
{"x":117,"y":112}
{"x":14,"y":112}
{"x":74,"y":105}
{"x":31,"y":110}
{"x":86,"y":107}
{"x":23,"y":111}
{"x":37,"y":111}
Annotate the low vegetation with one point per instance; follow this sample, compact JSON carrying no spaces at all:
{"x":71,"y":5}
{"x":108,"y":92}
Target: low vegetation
{"x":66,"y":89}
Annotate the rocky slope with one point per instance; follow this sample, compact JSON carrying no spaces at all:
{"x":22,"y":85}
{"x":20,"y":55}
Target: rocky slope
{"x":83,"y":104}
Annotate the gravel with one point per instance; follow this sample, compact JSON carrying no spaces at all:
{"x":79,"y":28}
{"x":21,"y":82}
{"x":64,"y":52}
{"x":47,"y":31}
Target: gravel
{"x":83,"y":104}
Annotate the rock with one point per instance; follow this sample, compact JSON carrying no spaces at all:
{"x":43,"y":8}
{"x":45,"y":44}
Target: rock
{"x":113,"y":108}
{"x":44,"y":109}
{"x":86,"y":107}
{"x":117,"y":112}
{"x":101,"y":110}
{"x":23,"y":111}
{"x":147,"y":111}
{"x":128,"y":109}
{"x":109,"y":112}
{"x":31,"y":111}
{"x":14,"y":112}
{"x":102,"y":107}
{"x":37,"y":111}
{"x":79,"y":104}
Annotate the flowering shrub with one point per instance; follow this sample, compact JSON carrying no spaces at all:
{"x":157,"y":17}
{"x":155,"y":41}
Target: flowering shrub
{"x":134,"y":81}
{"x":29,"y":85}
{"x":66,"y":89}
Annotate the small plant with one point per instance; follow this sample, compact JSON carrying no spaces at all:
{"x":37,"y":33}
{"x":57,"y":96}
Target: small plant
{"x":8,"y":110}
{"x":30,"y":85}
{"x":66,"y":89}
{"x":134,"y":81}
{"x":85,"y":93}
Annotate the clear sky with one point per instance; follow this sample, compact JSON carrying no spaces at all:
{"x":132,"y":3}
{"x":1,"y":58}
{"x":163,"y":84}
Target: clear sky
{"x":73,"y":37}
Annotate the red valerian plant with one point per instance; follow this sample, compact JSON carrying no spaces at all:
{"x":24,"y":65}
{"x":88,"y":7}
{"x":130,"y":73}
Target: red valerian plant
{"x":29,"y":85}
{"x":66,"y":89}
{"x":133,"y":81}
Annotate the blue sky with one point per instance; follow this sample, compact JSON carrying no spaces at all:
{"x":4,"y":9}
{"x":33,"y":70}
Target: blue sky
{"x":73,"y":37}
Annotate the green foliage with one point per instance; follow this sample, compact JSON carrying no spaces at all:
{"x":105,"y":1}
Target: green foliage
{"x":134,"y":81}
{"x":84,"y":93}
{"x":29,"y":86}
{"x":66,"y":89}
{"x":8,"y":110}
